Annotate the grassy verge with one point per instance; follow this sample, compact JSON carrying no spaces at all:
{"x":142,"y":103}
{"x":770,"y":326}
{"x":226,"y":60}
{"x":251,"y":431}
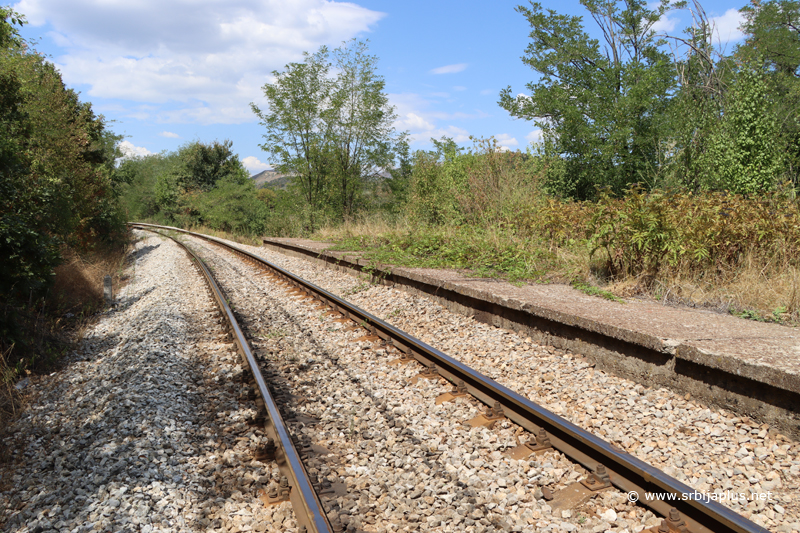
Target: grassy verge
{"x":718,"y":251}
{"x":752,"y":287}
{"x":479,"y":251}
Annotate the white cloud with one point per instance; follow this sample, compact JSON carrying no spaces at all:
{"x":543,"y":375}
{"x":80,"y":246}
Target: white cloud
{"x":169,"y":135}
{"x":665,"y":24}
{"x":449,"y":69}
{"x":534,"y":137}
{"x":506,"y":141}
{"x":459,"y":88}
{"x":459,"y":135}
{"x":253,"y":165}
{"x":416,"y":117}
{"x":487,"y":92}
{"x":129,"y":150}
{"x":412,"y":122}
{"x":199,"y":61}
{"x":726,"y":27}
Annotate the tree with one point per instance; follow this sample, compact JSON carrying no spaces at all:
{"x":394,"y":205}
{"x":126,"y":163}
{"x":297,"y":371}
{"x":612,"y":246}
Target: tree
{"x":601,"y":108}
{"x":696,"y":108}
{"x":297,"y":132}
{"x":170,"y":186}
{"x":744,"y":151}
{"x":332,"y":132}
{"x":360,"y":120}
{"x":772,"y":31}
{"x":58,"y":182}
{"x":203,"y":165}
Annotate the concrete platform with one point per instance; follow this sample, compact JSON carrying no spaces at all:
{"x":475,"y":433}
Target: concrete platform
{"x":748,"y":367}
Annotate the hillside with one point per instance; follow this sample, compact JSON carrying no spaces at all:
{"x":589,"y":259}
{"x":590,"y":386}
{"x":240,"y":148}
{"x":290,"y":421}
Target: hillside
{"x":271,"y":178}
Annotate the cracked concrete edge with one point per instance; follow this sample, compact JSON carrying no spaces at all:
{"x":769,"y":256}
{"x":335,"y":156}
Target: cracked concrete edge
{"x":766,"y":375}
{"x":763,"y":374}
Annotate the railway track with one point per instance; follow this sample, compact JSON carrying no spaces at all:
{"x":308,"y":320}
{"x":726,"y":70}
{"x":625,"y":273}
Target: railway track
{"x":607,"y":468}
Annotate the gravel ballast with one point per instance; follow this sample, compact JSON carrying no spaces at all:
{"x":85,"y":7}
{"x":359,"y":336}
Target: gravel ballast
{"x":142,"y":431}
{"x":711,"y":450}
{"x":146,"y":429}
{"x":408,"y":464}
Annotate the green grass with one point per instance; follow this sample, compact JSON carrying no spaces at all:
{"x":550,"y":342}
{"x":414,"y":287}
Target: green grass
{"x":595,"y":291}
{"x":481,"y":253}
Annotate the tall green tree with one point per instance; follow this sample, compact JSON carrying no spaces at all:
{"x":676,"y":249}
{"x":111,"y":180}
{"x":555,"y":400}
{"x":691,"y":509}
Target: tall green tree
{"x":745,"y":154}
{"x":333,"y":132}
{"x":772,"y":41}
{"x":601,"y":107}
{"x":772,"y":34}
{"x":361,"y":121}
{"x":297,"y":130}
{"x":203,"y":165}
{"x":697,"y":106}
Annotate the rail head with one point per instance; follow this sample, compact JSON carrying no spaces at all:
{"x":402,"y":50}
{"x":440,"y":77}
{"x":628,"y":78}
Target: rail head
{"x":626,"y":472}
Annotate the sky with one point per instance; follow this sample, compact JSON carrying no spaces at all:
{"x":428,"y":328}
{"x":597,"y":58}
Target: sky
{"x":168,"y":72}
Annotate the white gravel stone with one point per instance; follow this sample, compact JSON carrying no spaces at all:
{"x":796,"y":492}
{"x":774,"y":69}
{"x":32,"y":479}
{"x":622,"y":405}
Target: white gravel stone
{"x":709,"y":449}
{"x":141,"y":430}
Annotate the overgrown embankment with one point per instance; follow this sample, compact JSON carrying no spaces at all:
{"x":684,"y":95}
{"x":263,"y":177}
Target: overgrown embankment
{"x":60,"y":225}
{"x":486,"y":212}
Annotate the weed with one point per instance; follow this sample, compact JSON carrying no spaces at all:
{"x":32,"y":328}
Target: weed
{"x":351,"y":431}
{"x":718,"y":250}
{"x":777,"y":314}
{"x":273,"y":334}
{"x":9,"y":396}
{"x":361,"y":287}
{"x":749,"y":314}
{"x":594,"y":291}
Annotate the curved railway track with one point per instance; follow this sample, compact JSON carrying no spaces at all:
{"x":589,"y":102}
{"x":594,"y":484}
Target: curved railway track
{"x":608,"y":465}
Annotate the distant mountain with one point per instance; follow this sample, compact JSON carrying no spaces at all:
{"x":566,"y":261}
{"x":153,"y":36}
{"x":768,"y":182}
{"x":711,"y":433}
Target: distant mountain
{"x":278,"y":183}
{"x":275,"y":180}
{"x":266,"y":177}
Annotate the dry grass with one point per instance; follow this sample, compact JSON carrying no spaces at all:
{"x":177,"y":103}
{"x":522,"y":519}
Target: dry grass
{"x":751,"y":288}
{"x":10,"y":399}
{"x":49,"y":328}
{"x":373,"y":227}
{"x":78,"y":285}
{"x":242,"y":239}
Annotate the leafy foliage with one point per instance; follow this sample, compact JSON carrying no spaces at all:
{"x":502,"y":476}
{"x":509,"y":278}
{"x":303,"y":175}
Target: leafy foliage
{"x":600,"y":108}
{"x":199,"y":184}
{"x":744,"y":151}
{"x":58,"y":183}
{"x":58,"y":189}
{"x":772,"y":31}
{"x":334,"y":133}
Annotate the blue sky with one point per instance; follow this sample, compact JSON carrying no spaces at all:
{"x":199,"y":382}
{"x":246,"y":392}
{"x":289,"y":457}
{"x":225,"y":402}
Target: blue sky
{"x":167,"y":72}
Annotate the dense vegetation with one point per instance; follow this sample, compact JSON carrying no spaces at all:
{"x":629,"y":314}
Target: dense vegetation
{"x":332,"y":133}
{"x":199,"y":184}
{"x":58,"y":192}
{"x":666,"y":168}
{"x":663,"y":110}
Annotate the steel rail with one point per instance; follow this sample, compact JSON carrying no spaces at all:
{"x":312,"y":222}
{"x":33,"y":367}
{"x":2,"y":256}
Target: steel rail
{"x":305,"y":502}
{"x":626,"y":472}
